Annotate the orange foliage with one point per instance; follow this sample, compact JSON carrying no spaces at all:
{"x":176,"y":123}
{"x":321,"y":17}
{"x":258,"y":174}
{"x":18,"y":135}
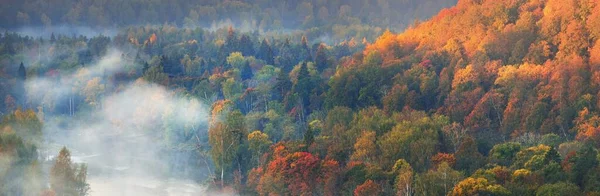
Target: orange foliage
{"x":368,"y":188}
{"x":152,"y":38}
{"x":443,"y":157}
{"x":299,"y":173}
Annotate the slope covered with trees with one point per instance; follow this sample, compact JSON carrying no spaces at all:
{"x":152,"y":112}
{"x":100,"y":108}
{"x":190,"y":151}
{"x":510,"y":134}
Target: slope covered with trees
{"x":486,"y":98}
{"x":336,"y":19}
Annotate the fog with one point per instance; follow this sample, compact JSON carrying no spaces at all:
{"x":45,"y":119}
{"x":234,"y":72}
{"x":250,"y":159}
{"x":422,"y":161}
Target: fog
{"x":67,"y":30}
{"x":135,"y":137}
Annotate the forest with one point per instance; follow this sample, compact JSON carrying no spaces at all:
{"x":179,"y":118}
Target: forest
{"x":467,"y":97}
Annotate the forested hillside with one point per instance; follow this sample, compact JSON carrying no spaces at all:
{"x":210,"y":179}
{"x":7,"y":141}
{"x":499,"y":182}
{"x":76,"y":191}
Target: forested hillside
{"x":335,"y":19}
{"x":487,"y":97}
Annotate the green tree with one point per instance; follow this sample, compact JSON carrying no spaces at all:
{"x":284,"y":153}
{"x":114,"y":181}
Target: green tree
{"x":67,"y":178}
{"x":246,"y":71}
{"x":305,"y":50}
{"x":246,"y":46}
{"x":155,"y":74}
{"x":265,"y":53}
{"x":584,"y":162}
{"x":226,"y":139}
{"x":258,"y":143}
{"x":321,"y":58}
{"x":468,"y":157}
{"x":558,"y":189}
{"x":282,"y":85}
{"x":303,"y":87}
{"x":504,"y":154}
{"x":438,"y":181}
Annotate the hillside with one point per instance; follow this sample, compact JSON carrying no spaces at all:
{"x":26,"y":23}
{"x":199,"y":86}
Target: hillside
{"x":336,"y":19}
{"x":487,"y":97}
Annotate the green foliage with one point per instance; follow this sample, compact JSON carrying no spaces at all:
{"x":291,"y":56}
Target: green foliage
{"x":25,"y":124}
{"x":437,"y":181}
{"x":504,"y":154}
{"x":561,"y":188}
{"x":20,"y":173}
{"x":67,"y":178}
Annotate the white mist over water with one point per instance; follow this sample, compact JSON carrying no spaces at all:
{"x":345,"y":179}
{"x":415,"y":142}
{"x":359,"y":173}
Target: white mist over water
{"x":121,"y":137}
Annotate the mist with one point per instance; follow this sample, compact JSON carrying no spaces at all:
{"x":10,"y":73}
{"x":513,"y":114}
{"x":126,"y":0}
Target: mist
{"x":136,"y":137}
{"x":67,"y":30}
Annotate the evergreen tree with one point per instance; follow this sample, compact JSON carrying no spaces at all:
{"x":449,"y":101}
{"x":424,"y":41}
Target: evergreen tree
{"x":246,"y":71}
{"x":286,"y":58}
{"x":305,"y":50}
{"x":282,"y":85}
{"x":265,"y":53}
{"x":22,"y":73}
{"x":321,"y":58}
{"x":66,"y":178}
{"x":584,"y":162}
{"x":303,"y":86}
{"x":232,"y":42}
{"x":309,"y":137}
{"x":246,"y":46}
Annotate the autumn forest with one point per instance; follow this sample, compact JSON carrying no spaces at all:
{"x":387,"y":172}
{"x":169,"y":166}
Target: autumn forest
{"x":307,"y":97}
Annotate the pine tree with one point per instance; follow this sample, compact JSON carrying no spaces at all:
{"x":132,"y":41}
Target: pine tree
{"x":282,"y":85}
{"x":246,"y":71}
{"x":22,"y":73}
{"x":66,"y":178}
{"x":305,"y":50}
{"x":286,"y":57}
{"x":321,"y":58}
{"x":232,"y":42}
{"x":308,"y":137}
{"x":303,"y":86}
{"x":246,"y":46}
{"x":265,"y":53}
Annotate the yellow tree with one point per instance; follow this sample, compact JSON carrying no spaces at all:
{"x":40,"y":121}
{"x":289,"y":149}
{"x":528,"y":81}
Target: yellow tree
{"x":404,"y":180}
{"x":365,"y":148}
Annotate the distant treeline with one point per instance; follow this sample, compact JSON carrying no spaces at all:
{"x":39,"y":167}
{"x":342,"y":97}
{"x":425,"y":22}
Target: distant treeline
{"x":344,"y":19}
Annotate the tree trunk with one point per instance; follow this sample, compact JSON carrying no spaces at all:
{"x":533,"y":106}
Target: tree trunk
{"x":222,"y":173}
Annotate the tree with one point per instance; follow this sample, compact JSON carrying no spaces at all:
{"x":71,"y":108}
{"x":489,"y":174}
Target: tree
{"x":22,"y":72}
{"x":246,"y":71}
{"x":282,"y":85}
{"x":584,"y":161}
{"x":561,"y":188}
{"x":504,"y":154}
{"x":26,"y":123}
{"x":62,"y":174}
{"x":321,"y":58}
{"x":369,"y":188}
{"x":365,"y":148}
{"x":246,"y":46}
{"x":231,"y":42}
{"x":438,"y":181}
{"x":478,"y":186}
{"x":226,"y":139}
{"x":21,"y":174}
{"x":309,"y":137}
{"x":66,"y":178}
{"x":236,"y":60}
{"x":468,"y":157}
{"x":92,"y":90}
{"x":258,"y":143}
{"x":404,"y":179}
{"x":265,"y":53}
{"x":303,"y":87}
{"x":305,"y":50}
{"x":155,"y":74}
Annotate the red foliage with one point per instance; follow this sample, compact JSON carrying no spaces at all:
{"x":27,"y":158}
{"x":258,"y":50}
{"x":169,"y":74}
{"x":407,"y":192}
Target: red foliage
{"x":368,"y":188}
{"x":443,"y":157}
{"x":299,"y":173}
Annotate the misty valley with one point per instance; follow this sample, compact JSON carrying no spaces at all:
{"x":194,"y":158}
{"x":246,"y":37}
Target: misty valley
{"x":300,"y":97}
